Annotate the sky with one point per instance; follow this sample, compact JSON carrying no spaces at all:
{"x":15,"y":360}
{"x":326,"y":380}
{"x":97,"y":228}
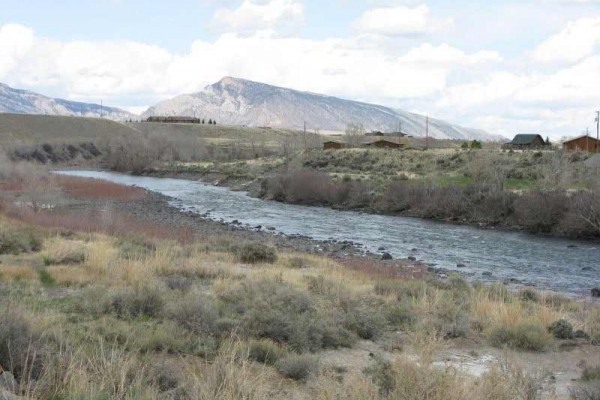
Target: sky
{"x":502,"y":66}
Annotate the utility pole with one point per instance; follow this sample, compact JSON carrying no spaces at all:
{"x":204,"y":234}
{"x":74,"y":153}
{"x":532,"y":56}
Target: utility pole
{"x":426,"y":132}
{"x":597,"y":131}
{"x":304,"y":135}
{"x":587,"y":139}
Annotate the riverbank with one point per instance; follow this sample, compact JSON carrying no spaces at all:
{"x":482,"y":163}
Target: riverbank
{"x":547,"y":214}
{"x":482,"y":255}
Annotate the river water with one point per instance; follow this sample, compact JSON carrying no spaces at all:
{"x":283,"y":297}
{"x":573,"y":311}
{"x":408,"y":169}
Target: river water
{"x":548,"y":263}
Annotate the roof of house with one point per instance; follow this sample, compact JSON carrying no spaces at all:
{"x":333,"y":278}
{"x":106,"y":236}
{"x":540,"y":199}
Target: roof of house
{"x":579,"y":137}
{"x":526,"y":138}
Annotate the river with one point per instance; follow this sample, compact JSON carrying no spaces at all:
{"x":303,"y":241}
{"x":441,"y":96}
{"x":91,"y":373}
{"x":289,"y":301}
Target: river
{"x":548,"y":263}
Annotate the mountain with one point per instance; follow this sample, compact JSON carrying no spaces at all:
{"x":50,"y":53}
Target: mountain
{"x":241,"y":102}
{"x":24,"y":102}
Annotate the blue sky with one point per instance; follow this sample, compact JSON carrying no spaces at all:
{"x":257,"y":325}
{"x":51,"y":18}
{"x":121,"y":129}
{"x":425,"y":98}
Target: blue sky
{"x":504,"y":66}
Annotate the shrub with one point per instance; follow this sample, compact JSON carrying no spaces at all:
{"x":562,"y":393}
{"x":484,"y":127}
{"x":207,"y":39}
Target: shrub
{"x":178,"y":283}
{"x":45,"y":278}
{"x":585,"y":392}
{"x":166,"y":375}
{"x":561,"y":329}
{"x":400,"y":315}
{"x":539,"y":211}
{"x":529,"y":294}
{"x":299,"y":367}
{"x":284,"y":314}
{"x":19,"y":241}
{"x":523,"y":336}
{"x":137,"y":302}
{"x":590,"y":373}
{"x":264,"y":351}
{"x":367,"y":322}
{"x":297,"y":262}
{"x":18,"y":347}
{"x":257,"y":253}
{"x":71,"y":258}
{"x":135,"y":247}
{"x":198,"y":315}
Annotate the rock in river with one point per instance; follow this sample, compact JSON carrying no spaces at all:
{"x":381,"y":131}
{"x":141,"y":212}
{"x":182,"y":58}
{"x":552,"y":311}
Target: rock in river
{"x":386,"y":256}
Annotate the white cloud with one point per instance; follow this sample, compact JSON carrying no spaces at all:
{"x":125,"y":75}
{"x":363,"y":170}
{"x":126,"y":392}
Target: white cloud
{"x":399,"y":20}
{"x":256,"y":15}
{"x":445,"y":54}
{"x":578,"y":40}
{"x":352,"y":68}
{"x":15,"y":42}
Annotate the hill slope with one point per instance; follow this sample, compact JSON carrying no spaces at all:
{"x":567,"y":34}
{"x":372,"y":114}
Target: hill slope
{"x":24,"y":102}
{"x":243,"y":102}
{"x":32,"y":129}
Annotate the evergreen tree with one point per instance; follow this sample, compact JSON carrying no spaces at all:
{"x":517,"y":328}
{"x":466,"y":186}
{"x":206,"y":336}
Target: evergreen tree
{"x":475,"y":144}
{"x":210,"y":121}
{"x":203,"y":120}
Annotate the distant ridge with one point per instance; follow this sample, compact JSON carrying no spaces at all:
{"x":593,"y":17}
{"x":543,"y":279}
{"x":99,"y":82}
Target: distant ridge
{"x":19,"y":101}
{"x":242,"y":102}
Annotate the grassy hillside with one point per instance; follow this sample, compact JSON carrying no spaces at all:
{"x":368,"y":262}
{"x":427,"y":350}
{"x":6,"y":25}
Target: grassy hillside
{"x":217,"y":133}
{"x":18,"y":129}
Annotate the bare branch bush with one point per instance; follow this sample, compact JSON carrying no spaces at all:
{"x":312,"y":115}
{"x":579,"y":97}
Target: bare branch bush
{"x":354,"y":132}
{"x":557,"y":172}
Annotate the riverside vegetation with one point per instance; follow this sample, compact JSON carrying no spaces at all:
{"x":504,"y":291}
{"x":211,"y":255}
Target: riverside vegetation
{"x":549,"y":192}
{"x":87,"y":311}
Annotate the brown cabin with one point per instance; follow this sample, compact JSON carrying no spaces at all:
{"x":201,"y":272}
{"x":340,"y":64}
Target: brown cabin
{"x":582,"y":143}
{"x":384,"y":144}
{"x":526,"y":141}
{"x":332,"y":145}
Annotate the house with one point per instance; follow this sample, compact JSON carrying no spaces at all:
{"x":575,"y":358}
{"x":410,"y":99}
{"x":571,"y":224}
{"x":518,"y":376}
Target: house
{"x":174,"y":120}
{"x":526,"y":141}
{"x":582,"y":143}
{"x":383,"y":144}
{"x":333,"y":145}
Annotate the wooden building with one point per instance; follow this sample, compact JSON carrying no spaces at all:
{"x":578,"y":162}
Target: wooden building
{"x":384,"y":144}
{"x":175,"y":119}
{"x":526,"y":141}
{"x":333,"y":145}
{"x":582,"y":143}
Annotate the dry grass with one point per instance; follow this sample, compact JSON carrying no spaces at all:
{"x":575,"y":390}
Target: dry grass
{"x":69,"y":276}
{"x":113,"y":353}
{"x":12,"y":273}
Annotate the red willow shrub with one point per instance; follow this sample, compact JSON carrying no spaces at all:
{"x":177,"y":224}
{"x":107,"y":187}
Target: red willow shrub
{"x":96,"y":189}
{"x":316,"y":188}
{"x":101,"y":221}
{"x":538,"y":211}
